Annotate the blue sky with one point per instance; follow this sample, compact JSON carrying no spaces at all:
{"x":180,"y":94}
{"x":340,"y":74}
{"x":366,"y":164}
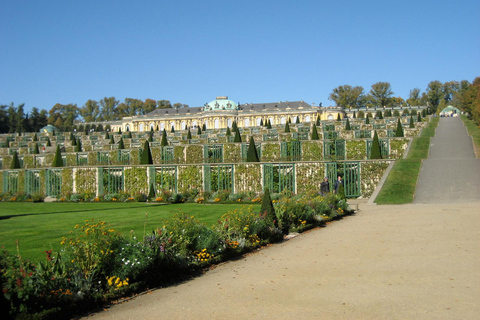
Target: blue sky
{"x":252,"y":51}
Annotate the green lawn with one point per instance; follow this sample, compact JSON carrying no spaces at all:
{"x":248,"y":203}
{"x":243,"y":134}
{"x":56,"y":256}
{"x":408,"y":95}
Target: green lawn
{"x":473,"y":131}
{"x":400,"y":185}
{"x":40,"y":226}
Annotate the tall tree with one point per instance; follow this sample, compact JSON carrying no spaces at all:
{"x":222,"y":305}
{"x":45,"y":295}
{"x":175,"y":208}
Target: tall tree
{"x":347,"y":96}
{"x":252,"y":155}
{"x":382,"y":93}
{"x":109,"y":110}
{"x":63,"y":116}
{"x":90,"y":111}
{"x":434,"y":94}
{"x":20,"y":118}
{"x":414,"y":97}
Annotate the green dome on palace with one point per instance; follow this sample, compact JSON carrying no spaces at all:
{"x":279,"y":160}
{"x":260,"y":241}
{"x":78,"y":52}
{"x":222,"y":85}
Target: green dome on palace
{"x":221,"y":103}
{"x":49,"y":129}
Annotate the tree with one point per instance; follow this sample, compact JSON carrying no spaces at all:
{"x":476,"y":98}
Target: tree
{"x":347,"y":125}
{"x":57,"y":158}
{"x":361,"y":115}
{"x":234,"y":126}
{"x":108,"y":110}
{"x":63,"y":116}
{"x":354,"y":115}
{"x":146,"y":154}
{"x":151,"y":192}
{"x":15,"y":161}
{"x":189,"y":135}
{"x":90,"y":111}
{"x":338,"y":117}
{"x":399,"y":130}
{"x":252,"y":155}
{"x":414,"y":99}
{"x":382,"y":93}
{"x":297,"y":120}
{"x":267,"y":210}
{"x":375,"y":152}
{"x":112,"y":141}
{"x":318,"y":119}
{"x":121,"y":145}
{"x":261,"y":122}
{"x":20,"y":118}
{"x":163,"y":104}
{"x":347,"y":96}
{"x":228,"y":133}
{"x":78,"y":145}
{"x":164,"y":141}
{"x":199,"y":131}
{"x":315,"y":133}
{"x":434,"y":94}
{"x":36,"y":149}
{"x":269,"y":124}
{"x":379,"y":114}
{"x":367,"y":119}
{"x":287,"y":128}
{"x":411,"y":124}
{"x":238,"y":137}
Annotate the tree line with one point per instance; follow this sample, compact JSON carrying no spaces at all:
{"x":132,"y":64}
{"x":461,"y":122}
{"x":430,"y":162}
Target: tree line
{"x":64,"y":116}
{"x":461,"y":94}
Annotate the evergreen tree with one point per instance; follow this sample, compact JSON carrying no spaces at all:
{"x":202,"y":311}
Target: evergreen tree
{"x":354,"y":115}
{"x":287,"y":128}
{"x":150,"y":137}
{"x":164,"y":141}
{"x":424,"y":113}
{"x":341,"y":191}
{"x":289,"y":120}
{"x":252,"y":155}
{"x":146,"y":154}
{"x":107,"y":136}
{"x":411,"y":125}
{"x":119,"y":130}
{"x":49,"y":144}
{"x":72,"y":137}
{"x":189,"y":135}
{"x":269,"y":124}
{"x":15,"y":161}
{"x":173,"y":129}
{"x":267,"y":210}
{"x":399,"y":131}
{"x":228,"y":133}
{"x":151,"y":192}
{"x":112,"y":141}
{"x":121,"y":145}
{"x":347,"y":125}
{"x":74,"y":142}
{"x":35,"y":138}
{"x":314,"y":135}
{"x":317,"y":123}
{"x":419,"y":117}
{"x":297,"y":120}
{"x":156,"y":128}
{"x":204,"y":127}
{"x":338,"y":117}
{"x":78,"y":145}
{"x":375,"y":152}
{"x":57,"y":158}
{"x":129,"y":135}
{"x":234,"y":126}
{"x":367,"y":119}
{"x":199,"y":131}
{"x":238,"y":137}
{"x":261,"y":122}
{"x":36,"y":149}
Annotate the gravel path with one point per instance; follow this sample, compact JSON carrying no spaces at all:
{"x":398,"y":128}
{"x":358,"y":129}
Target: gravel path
{"x":415,"y":261}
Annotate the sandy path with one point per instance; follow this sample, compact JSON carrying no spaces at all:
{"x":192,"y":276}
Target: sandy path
{"x":387,"y":262}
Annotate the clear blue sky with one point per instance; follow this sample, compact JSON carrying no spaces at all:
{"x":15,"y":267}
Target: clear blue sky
{"x":252,"y":51}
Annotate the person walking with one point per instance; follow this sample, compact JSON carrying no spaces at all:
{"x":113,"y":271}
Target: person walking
{"x":324,"y":187}
{"x":337,"y":184}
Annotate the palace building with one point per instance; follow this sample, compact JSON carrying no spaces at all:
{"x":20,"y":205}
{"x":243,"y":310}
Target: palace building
{"x":222,"y":112}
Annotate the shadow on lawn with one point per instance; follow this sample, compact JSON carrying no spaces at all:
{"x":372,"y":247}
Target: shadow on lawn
{"x":71,"y":211}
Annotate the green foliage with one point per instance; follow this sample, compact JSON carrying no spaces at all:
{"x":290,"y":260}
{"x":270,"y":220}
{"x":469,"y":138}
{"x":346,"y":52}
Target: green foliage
{"x":238,"y":137}
{"x":121,"y":145}
{"x":347,"y":125}
{"x":269,"y":124}
{"x":287,"y":127}
{"x":419,"y":117}
{"x":199,"y":130}
{"x":354,"y":115}
{"x":411,"y":124}
{"x":317,"y":122}
{"x":399,"y":130}
{"x":151,"y":192}
{"x":379,"y":114}
{"x":49,"y":143}
{"x":375,"y":152}
{"x":314,"y":135}
{"x":228,"y":133}
{"x":189,"y":135}
{"x":267,"y":210}
{"x":78,"y":145}
{"x":35,"y":138}
{"x":164,"y":141}
{"x":146,"y":154}
{"x":297,"y":120}
{"x":338,"y":117}
{"x":261,"y":122}
{"x":361,"y":114}
{"x":15,"y":161}
{"x":36,"y":149}
{"x":234,"y":126}
{"x":57,"y":159}
{"x":367,"y":119}
{"x":112,"y":141}
{"x":252,"y":155}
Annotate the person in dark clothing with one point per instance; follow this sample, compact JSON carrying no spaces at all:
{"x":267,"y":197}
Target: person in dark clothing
{"x":337,"y":184}
{"x":324,"y":187}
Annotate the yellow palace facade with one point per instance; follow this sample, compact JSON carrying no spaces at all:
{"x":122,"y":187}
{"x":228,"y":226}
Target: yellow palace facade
{"x":221,"y":112}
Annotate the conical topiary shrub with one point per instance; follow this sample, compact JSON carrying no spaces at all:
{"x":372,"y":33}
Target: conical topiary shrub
{"x":354,"y":115}
{"x":204,"y":127}
{"x":341,"y":191}
{"x":297,"y":120}
{"x":315,"y":133}
{"x":57,"y":158}
{"x":411,"y":125}
{"x":189,"y":135}
{"x":49,"y":144}
{"x":367,"y":119}
{"x":15,"y":161}
{"x":151,"y":192}
{"x":261,"y":122}
{"x":269,"y":124}
{"x":399,"y":131}
{"x":375,"y":152}
{"x":347,"y":125}
{"x":289,"y":120}
{"x":164,"y":141}
{"x":78,"y":145}
{"x":228,"y":133}
{"x":287,"y":128}
{"x":238,"y":137}
{"x":36,"y":150}
{"x":419,"y":117}
{"x":173,"y":129}
{"x":121,"y":145}
{"x":267,"y":210}
{"x":107,"y":136}
{"x":199,"y":131}
{"x":252,"y":155}
{"x":338,"y":117}
{"x":234,"y":126}
{"x":317,"y":123}
{"x":112,"y":141}
{"x":35,"y":138}
{"x":150,"y":137}
{"x":146,"y":154}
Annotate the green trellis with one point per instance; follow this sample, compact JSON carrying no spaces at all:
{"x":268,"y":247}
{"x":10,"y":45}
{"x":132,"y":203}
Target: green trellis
{"x":350,"y":172}
{"x":53,"y":182}
{"x":279,"y":177}
{"x":111,"y":180}
{"x":334,"y":149}
{"x":32,"y":181}
{"x":291,"y":150}
{"x":218,"y":177}
{"x":213,"y":153}
{"x":384,"y":147}
{"x":10,"y":181}
{"x":166,"y":178}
